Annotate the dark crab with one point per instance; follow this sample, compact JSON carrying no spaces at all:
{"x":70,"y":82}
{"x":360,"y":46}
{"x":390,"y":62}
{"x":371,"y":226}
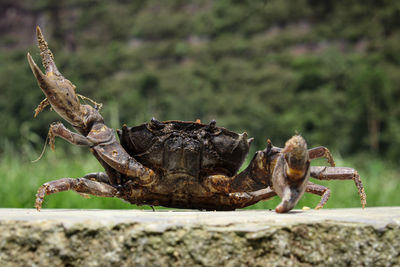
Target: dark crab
{"x":179,"y":164}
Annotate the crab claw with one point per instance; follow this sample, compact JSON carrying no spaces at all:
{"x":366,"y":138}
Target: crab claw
{"x":59,"y":91}
{"x":291,"y":173}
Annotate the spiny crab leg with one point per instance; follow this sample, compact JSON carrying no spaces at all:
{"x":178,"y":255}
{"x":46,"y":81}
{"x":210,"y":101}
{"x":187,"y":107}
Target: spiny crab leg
{"x":321,"y":152}
{"x":340,"y":173}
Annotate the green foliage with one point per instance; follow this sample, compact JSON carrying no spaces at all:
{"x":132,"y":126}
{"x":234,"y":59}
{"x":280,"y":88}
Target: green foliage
{"x":324,"y":69}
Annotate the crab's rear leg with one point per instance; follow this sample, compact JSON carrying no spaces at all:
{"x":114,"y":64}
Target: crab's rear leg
{"x":340,"y":173}
{"x":319,"y":190}
{"x":80,"y":185}
{"x":321,"y":152}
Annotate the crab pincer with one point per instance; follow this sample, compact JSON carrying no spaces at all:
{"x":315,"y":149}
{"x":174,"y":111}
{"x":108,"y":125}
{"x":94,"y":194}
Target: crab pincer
{"x":291,"y":173}
{"x":59,"y":91}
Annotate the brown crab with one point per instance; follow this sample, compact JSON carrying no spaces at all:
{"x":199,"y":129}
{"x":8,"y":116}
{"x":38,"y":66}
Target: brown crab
{"x":179,"y":164}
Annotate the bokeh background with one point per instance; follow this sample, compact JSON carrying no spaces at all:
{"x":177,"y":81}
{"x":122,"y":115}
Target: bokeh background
{"x":329,"y":70}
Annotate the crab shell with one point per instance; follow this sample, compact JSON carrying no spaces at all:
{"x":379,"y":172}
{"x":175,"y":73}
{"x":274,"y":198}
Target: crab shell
{"x":178,"y":148}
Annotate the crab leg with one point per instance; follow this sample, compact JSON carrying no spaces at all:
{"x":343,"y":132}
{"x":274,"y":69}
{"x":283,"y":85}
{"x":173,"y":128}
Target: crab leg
{"x":105,"y":146}
{"x":58,"y":129}
{"x":321,"y":152}
{"x":79,"y":185}
{"x":320,"y":190}
{"x":102,"y":140}
{"x":243,"y":199}
{"x":340,"y":173}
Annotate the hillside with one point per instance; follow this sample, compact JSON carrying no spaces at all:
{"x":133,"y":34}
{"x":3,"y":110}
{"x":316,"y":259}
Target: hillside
{"x":329,"y":70}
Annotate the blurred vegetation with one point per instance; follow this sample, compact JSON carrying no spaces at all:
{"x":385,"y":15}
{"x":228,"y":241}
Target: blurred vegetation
{"x":329,"y":70}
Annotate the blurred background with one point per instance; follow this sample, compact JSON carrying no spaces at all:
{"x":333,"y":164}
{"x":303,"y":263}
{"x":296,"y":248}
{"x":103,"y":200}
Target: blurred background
{"x":329,"y":70}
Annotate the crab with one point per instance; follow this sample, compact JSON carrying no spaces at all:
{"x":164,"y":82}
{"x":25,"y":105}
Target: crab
{"x":179,"y":164}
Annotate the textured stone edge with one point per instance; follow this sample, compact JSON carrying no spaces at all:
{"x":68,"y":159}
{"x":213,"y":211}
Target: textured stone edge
{"x":126,"y":244}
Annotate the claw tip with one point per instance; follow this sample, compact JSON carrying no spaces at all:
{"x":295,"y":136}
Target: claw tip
{"x":35,"y":69}
{"x":29,"y":57}
{"x":38,"y":30}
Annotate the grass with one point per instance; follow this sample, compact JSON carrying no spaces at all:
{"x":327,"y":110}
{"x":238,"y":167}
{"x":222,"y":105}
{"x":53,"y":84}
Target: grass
{"x":20,"y":178}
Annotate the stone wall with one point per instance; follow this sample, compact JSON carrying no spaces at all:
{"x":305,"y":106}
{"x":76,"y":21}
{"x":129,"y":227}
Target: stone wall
{"x":346,"y":237}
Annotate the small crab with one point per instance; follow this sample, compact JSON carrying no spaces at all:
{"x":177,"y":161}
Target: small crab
{"x":179,"y":164}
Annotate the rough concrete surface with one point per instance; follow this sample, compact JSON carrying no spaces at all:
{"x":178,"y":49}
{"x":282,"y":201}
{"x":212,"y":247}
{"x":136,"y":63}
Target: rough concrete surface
{"x":328,"y":237}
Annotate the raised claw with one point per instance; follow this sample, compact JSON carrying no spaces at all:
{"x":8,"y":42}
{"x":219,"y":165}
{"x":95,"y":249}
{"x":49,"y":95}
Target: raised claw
{"x":60,"y":92}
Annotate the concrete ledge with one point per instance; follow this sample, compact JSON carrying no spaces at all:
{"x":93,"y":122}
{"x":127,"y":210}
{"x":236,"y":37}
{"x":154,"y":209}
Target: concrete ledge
{"x":328,"y":237}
